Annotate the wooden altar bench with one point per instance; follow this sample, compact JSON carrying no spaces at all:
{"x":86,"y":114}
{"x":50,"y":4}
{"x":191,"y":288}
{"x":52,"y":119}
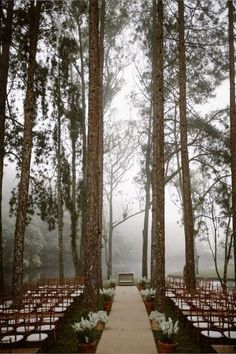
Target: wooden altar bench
{"x":126,"y":278}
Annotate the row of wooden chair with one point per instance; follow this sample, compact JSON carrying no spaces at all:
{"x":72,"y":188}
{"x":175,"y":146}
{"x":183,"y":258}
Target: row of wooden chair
{"x":32,"y":319}
{"x":209,"y":314}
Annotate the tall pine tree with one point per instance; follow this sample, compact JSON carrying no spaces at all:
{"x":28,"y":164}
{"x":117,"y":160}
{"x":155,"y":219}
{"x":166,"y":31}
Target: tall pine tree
{"x":232,"y":120}
{"x":93,"y":173}
{"x":29,"y":116}
{"x":158,"y":188}
{"x":6,"y":39}
{"x":187,"y":201}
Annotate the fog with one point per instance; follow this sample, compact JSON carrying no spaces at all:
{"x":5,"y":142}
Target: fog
{"x":127,"y":241}
{"x":130,"y":232}
{"x":129,"y":236}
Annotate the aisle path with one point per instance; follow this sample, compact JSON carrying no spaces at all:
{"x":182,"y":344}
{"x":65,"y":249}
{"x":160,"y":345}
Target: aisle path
{"x":128,"y":330}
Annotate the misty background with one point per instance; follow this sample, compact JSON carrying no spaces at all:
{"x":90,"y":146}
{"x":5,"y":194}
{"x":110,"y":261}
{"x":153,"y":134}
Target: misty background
{"x":41,"y":245}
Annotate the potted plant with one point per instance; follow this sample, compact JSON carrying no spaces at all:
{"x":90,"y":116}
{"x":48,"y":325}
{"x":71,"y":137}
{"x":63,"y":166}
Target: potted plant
{"x":155,"y":318}
{"x":166,"y":342}
{"x":142,"y":282}
{"x":85,"y":332}
{"x":112,"y":282}
{"x":108,"y":295}
{"x":148,"y":296}
{"x":102,"y":319}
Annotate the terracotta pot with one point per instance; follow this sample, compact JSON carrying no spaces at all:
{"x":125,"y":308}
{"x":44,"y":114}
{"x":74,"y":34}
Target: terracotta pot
{"x":149,"y":306}
{"x":164,"y":347}
{"x":107,"y":305}
{"x":100,"y":326}
{"x":141,"y":287}
{"x":87,"y":347}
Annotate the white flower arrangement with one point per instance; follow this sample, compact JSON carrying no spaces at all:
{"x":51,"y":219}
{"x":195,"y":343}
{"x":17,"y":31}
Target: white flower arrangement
{"x":143,"y":281}
{"x":169,"y":329}
{"x":93,"y":318}
{"x":157,"y":316}
{"x":83,"y":325}
{"x":148,"y":294}
{"x":102,"y":316}
{"x":85,"y":328}
{"x":108,"y":294}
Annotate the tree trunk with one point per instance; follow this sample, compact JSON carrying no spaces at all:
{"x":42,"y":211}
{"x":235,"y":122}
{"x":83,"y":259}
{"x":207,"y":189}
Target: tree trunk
{"x":59,"y":186}
{"x":29,"y":116}
{"x":4,"y":67}
{"x":226,"y":252}
{"x":214,"y":251}
{"x":92,"y":237}
{"x":110,"y":234}
{"x":74,"y":216}
{"x":187,"y":201}
{"x":232,"y":121}
{"x":180,"y":193}
{"x":154,"y":113}
{"x":101,"y":47}
{"x":176,"y":142}
{"x":158,"y":187}
{"x":147,"y":202}
{"x":83,"y":185}
{"x":196,"y":257}
{"x":105,"y":249}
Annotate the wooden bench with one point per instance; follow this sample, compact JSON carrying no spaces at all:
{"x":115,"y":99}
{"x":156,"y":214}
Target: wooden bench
{"x":126,"y":278}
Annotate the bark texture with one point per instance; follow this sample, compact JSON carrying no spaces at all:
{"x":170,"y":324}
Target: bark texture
{"x":59,"y":185}
{"x":6,"y":40}
{"x":110,"y":231}
{"x":29,"y":116}
{"x":101,"y":48}
{"x":187,"y":201}
{"x":147,"y":202}
{"x":92,"y":237}
{"x":73,"y":211}
{"x":232,"y":121}
{"x":83,"y":183}
{"x":158,"y":185}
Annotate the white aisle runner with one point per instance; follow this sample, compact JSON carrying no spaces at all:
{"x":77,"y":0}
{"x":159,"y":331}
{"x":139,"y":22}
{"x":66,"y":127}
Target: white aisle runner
{"x":128,"y":330}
